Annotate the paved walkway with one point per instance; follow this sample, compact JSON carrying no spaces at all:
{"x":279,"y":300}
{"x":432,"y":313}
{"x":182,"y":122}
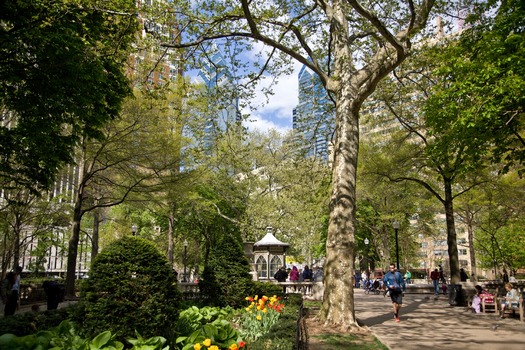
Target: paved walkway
{"x":434,"y":324}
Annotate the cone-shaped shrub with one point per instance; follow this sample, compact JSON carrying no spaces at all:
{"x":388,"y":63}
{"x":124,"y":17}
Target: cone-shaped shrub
{"x":226,"y":279}
{"x":131,"y":287}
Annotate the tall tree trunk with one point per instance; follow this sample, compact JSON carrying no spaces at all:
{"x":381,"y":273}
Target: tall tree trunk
{"x":16,"y":246}
{"x":95,"y":235}
{"x":171,"y":244}
{"x":451,"y":233}
{"x":470,"y":237}
{"x":75,"y":230}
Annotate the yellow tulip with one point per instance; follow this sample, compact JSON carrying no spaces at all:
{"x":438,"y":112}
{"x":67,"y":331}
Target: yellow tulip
{"x":207,"y":342}
{"x":197,"y":346}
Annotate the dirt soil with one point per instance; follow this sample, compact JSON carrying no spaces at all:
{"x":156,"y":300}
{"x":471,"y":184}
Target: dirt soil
{"x":321,"y":337}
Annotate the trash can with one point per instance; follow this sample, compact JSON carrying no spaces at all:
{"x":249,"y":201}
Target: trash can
{"x":455,"y":297}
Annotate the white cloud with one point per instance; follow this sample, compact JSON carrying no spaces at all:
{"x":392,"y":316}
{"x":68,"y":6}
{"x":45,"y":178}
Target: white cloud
{"x":276,"y":112}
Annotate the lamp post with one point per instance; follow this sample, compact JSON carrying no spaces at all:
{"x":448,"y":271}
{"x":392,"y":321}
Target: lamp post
{"x":395,"y":224}
{"x":185,"y":251}
{"x":366,"y":253}
{"x":133,"y":229}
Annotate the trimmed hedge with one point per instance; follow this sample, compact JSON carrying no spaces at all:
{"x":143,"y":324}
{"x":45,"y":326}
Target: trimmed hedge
{"x":226,"y":279}
{"x":131,"y":288}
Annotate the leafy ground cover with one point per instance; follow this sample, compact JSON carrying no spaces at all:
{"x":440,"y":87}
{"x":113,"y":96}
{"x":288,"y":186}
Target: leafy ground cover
{"x":321,"y":337}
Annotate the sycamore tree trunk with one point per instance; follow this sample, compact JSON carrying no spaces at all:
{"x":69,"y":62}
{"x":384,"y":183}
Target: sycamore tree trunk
{"x":347,"y":84}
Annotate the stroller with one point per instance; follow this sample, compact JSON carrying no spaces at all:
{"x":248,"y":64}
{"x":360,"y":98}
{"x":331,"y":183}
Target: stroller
{"x":374,"y":287}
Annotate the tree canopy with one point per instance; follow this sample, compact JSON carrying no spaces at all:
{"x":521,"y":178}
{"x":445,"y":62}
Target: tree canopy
{"x":61,"y":78}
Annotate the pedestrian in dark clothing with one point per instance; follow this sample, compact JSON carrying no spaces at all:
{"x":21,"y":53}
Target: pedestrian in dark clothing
{"x":281,"y":275}
{"x":434,"y":276}
{"x":505,"y":276}
{"x":463,"y":275}
{"x":307,"y":274}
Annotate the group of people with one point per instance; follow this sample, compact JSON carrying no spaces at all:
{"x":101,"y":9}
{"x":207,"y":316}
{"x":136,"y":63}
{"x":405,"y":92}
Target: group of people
{"x":294,"y":275}
{"x":10,"y":291}
{"x":438,"y":280}
{"x":511,"y":299}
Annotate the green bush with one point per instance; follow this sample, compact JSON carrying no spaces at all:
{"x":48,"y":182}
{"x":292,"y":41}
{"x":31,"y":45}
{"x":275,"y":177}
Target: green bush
{"x":226,"y":279}
{"x":31,"y":322}
{"x":131,"y":288}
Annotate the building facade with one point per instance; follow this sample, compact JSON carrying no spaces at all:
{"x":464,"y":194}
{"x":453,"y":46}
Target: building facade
{"x":314,"y":117}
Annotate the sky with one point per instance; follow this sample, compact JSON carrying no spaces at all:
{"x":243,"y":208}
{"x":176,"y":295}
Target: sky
{"x":277,"y":112}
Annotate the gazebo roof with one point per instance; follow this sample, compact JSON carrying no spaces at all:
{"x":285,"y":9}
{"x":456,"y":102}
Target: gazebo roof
{"x":270,"y":240}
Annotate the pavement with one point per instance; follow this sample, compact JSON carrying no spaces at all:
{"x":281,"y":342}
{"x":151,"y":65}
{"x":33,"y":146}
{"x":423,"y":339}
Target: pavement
{"x":435,"y":324}
{"x":42,"y":306}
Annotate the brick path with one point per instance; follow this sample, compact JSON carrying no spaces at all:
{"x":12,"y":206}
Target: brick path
{"x":434,"y":324}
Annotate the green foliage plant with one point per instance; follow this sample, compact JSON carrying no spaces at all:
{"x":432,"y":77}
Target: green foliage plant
{"x":131,"y":288}
{"x":65,"y":336}
{"x":153,"y":343}
{"x":193,"y":317}
{"x":219,"y":333}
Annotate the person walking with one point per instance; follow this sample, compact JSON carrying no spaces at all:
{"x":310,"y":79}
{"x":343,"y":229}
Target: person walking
{"x":394,"y":283}
{"x":434,"y":276}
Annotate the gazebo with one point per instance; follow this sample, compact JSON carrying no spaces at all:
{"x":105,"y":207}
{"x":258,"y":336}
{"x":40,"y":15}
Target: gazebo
{"x":269,"y":254}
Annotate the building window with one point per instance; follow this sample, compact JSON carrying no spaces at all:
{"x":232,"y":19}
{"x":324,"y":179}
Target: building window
{"x":462,"y":251}
{"x":261,"y":267}
{"x":424,"y":244}
{"x":440,"y":253}
{"x":275,"y":264}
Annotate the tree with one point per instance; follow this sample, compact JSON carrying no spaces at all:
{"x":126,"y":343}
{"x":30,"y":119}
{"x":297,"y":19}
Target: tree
{"x":62,"y":79}
{"x":351,"y":47}
{"x":483,"y":77}
{"x":466,"y":112}
{"x":133,"y":156}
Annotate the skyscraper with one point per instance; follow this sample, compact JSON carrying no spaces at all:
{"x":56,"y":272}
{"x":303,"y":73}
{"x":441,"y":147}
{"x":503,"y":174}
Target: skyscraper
{"x":224,"y":103}
{"x":314,"y":117}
